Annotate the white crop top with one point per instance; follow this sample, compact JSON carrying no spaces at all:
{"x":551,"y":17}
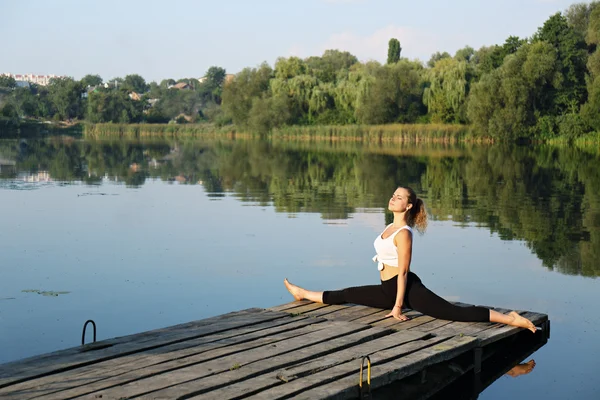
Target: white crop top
{"x":386,"y":249}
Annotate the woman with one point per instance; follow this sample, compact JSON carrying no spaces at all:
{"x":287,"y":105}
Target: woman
{"x":401,"y":288}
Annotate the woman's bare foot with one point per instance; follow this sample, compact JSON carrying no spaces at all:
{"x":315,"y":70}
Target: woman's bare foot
{"x":294,"y":290}
{"x":521,"y":322}
{"x":521,"y":369}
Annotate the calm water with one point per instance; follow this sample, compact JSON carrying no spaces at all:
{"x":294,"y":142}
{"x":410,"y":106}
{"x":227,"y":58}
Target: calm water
{"x":146,"y":235}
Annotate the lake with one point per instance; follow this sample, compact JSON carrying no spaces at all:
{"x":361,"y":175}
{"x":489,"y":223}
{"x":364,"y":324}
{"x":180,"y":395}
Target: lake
{"x":142,"y":235}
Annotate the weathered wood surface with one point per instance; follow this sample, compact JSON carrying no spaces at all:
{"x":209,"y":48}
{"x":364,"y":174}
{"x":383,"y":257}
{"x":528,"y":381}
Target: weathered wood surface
{"x":208,"y":348}
{"x":335,"y":335}
{"x":314,"y":366}
{"x":66,"y":359}
{"x":299,"y":349}
{"x":340,"y":381}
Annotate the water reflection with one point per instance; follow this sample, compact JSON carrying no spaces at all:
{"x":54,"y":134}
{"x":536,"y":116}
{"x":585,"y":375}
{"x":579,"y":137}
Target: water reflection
{"x":550,"y":198}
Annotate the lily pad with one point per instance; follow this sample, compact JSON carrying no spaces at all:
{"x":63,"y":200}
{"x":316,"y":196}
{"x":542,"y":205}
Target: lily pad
{"x":49,"y":293}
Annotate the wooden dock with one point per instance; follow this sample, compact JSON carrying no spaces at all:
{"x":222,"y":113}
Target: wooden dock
{"x":297,"y":350}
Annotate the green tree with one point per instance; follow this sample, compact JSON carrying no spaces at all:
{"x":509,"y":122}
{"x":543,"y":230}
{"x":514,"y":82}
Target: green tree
{"x":590,"y":111}
{"x":239,"y":94}
{"x":112,"y":106}
{"x":7,"y":82}
{"x":505,"y":102}
{"x":213,"y":86}
{"x":465,"y":54}
{"x":447,"y":90}
{"x":394,"y":95}
{"x":65,"y":96}
{"x":489,"y":58}
{"x":572,"y":57}
{"x":91,"y":80}
{"x":215,"y":76}
{"x":165,"y":83}
{"x":435,"y":57}
{"x":578,"y":16}
{"x":134,"y":83}
{"x":286,"y":68}
{"x":394,"y":50}
{"x":333,"y":62}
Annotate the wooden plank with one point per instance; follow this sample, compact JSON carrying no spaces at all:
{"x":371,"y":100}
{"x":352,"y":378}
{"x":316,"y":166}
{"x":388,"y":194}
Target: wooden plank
{"x":401,"y":325}
{"x":314,"y":366}
{"x":190,"y":368}
{"x":306,"y":308}
{"x":431,"y":325}
{"x":351,"y":313}
{"x":321,"y":312}
{"x":290,"y":305}
{"x":248,"y":377}
{"x":30,"y":368}
{"x":104,"y":370}
{"x":317,"y":385}
{"x":370,"y":319}
{"x":458,"y":328}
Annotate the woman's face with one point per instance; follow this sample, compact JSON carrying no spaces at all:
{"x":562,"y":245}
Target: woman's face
{"x":399,"y":201}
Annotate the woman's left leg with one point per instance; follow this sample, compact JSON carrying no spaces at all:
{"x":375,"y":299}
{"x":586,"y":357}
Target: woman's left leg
{"x":425,"y":301}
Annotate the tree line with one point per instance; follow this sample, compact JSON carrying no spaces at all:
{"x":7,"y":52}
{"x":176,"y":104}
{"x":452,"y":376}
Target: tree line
{"x":121,"y":100}
{"x":543,"y":86}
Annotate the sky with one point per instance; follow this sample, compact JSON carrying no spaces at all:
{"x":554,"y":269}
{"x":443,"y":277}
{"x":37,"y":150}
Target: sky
{"x":161,"y":39}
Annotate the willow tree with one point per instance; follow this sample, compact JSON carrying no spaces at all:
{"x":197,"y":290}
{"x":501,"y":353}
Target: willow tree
{"x":394,"y":94}
{"x":448,"y":85}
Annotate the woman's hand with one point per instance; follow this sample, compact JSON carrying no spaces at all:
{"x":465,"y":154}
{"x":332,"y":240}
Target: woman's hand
{"x":397,"y":313}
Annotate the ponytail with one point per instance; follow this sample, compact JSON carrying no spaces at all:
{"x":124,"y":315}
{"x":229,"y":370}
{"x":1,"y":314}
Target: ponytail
{"x":417,"y":215}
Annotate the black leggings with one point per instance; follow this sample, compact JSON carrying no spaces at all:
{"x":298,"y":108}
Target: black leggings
{"x":416,"y":297}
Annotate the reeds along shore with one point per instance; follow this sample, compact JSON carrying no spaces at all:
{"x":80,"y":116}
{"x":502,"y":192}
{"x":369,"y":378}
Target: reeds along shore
{"x":367,"y":134}
{"x":360,"y":133}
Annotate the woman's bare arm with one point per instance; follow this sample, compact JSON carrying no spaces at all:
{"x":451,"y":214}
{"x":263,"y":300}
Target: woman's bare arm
{"x":403,"y":242}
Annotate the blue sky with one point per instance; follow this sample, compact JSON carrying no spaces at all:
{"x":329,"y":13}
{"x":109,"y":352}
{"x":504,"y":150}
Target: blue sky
{"x":182,"y":38}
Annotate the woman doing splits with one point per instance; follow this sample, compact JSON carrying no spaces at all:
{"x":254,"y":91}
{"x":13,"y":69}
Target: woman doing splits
{"x":401,"y":288}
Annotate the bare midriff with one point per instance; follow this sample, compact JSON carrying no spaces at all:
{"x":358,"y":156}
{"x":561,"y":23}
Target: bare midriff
{"x":388,"y":272}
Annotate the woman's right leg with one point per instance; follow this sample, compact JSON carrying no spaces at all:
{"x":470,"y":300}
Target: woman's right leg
{"x":379,"y":296}
{"x":301,"y":294}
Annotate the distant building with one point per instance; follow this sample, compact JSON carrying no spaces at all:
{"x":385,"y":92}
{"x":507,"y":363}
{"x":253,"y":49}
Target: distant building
{"x":228,"y":78}
{"x":181,"y":85}
{"x":41,"y":80}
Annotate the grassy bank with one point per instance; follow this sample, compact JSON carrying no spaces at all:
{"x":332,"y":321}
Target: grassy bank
{"x":590,"y":141}
{"x":359,"y":133}
{"x":139,"y":131}
{"x":392,"y":133}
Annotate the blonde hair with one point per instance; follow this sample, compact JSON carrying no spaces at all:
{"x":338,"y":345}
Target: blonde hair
{"x":417,"y":215}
